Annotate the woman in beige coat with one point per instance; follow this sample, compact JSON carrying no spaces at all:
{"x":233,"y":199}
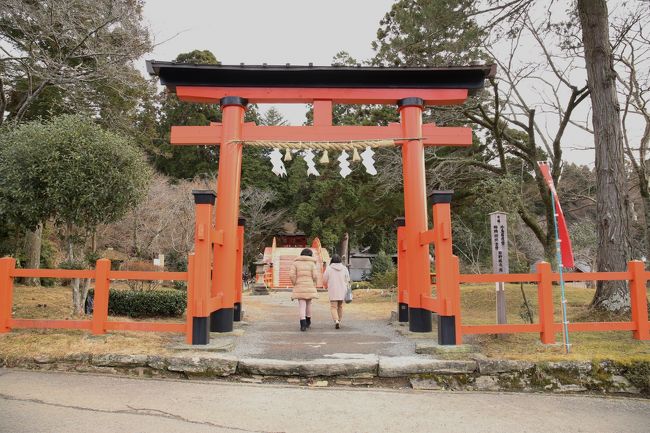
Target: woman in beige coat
{"x":303,"y":275}
{"x":337,"y":279}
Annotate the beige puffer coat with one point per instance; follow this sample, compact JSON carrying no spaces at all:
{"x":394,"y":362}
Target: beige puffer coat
{"x":303,"y":275}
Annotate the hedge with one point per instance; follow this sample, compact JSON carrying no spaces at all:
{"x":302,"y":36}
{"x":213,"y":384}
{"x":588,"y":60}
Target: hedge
{"x":153,"y":303}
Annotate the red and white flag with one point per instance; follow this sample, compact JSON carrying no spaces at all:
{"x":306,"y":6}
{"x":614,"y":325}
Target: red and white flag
{"x":563,"y":231}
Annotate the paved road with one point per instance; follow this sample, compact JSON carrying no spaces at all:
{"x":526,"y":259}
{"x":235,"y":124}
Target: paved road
{"x":273,"y":331}
{"x":64,"y":402}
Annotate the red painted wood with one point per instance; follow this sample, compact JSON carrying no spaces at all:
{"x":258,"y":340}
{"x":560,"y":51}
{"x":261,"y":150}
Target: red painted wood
{"x":211,"y":135}
{"x":53,"y":273}
{"x":501,"y":329}
{"x":54,"y":324}
{"x":639,"y":300}
{"x":597,"y":326}
{"x":100,"y":306}
{"x":145,"y":326}
{"x":322,"y":113}
{"x":148,"y":275}
{"x":7,"y":267}
{"x":289,"y":95}
{"x":191,"y":296}
{"x":497,"y":278}
{"x":193,"y":135}
{"x":545,"y":302}
{"x":429,"y":303}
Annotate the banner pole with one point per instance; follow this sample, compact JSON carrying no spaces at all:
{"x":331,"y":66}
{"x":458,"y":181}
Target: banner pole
{"x":558,"y":252}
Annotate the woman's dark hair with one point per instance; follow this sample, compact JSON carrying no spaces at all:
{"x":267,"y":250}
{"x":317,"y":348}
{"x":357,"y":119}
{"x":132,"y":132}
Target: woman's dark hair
{"x":335,"y":258}
{"x":306,"y":252}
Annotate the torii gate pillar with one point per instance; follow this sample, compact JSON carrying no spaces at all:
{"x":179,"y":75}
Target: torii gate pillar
{"x":415,"y":212}
{"x":225,"y":281}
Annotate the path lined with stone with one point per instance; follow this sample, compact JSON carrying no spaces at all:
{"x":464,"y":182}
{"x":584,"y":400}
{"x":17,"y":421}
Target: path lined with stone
{"x":272,"y":331}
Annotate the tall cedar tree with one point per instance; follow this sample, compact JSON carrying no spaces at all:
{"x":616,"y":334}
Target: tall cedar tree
{"x":611,"y":192}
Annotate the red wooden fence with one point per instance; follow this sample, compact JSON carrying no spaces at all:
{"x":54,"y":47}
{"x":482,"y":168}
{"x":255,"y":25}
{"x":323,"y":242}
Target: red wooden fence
{"x":102,"y":274}
{"x":636,"y":275}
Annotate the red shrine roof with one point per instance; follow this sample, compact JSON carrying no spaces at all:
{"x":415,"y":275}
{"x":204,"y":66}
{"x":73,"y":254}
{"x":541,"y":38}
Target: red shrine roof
{"x":174,"y":74}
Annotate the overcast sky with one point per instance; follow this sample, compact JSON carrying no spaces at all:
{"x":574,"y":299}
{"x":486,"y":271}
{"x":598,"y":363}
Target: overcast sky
{"x":263,"y":31}
{"x":290,"y":31}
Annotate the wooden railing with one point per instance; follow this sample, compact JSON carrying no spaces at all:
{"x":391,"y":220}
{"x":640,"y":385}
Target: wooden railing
{"x":636,"y":275}
{"x":99,"y":323}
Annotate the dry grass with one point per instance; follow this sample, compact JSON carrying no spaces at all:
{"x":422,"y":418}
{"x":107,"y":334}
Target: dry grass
{"x":56,"y":303}
{"x":478,"y":307}
{"x":42,"y":302}
{"x":371,"y":304}
{"x":23,"y":342}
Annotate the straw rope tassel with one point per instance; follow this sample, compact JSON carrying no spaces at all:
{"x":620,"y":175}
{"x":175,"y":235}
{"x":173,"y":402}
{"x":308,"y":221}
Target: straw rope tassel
{"x":287,"y":155}
{"x":336,"y":146}
{"x":325,"y":158}
{"x":355,"y":155}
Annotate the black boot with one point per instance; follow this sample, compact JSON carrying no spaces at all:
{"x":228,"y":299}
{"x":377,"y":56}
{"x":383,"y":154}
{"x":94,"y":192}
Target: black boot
{"x":303,"y":325}
{"x":308,"y":319}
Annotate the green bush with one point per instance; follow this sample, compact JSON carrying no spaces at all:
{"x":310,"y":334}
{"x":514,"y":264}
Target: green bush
{"x":385,"y":281}
{"x":381,"y":264}
{"x":71,"y":265}
{"x":179,"y":285}
{"x":175,"y":261}
{"x":152,"y":303}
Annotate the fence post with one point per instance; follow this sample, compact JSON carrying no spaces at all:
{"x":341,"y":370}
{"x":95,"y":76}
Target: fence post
{"x":402,"y":291}
{"x":204,"y":201}
{"x":100,"y":306}
{"x":237,"y":308}
{"x":7,"y":265}
{"x":454,"y":296}
{"x":545,"y":301}
{"x":189,"y":310}
{"x":639,"y":300}
{"x":447,"y":286}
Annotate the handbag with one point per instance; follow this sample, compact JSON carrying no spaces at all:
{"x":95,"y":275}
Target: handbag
{"x":348,"y":294}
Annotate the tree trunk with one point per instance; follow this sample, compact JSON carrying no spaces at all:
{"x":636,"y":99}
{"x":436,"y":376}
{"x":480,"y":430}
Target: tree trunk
{"x":344,"y":249}
{"x":79,"y":295}
{"x":77,"y":302}
{"x":76,"y":297}
{"x":3,"y":102}
{"x":611,"y":194}
{"x":135,"y":235}
{"x":645,"y":198}
{"x":33,"y":242}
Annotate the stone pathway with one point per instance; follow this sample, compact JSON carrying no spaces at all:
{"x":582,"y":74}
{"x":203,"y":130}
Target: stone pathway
{"x":272,"y":331}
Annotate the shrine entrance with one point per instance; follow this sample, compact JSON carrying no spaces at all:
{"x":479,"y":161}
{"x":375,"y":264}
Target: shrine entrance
{"x":214,"y":285}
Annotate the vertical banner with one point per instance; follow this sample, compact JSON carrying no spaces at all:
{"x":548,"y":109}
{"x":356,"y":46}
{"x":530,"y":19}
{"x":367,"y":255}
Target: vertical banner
{"x":563,"y":230}
{"x":499,"y":235}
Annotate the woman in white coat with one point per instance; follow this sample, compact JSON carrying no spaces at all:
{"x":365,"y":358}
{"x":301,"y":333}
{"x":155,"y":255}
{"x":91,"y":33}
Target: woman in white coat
{"x":336,"y":278}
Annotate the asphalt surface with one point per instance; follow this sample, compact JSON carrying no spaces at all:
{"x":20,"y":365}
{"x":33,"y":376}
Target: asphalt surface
{"x":38,"y":402}
{"x":273,"y":331}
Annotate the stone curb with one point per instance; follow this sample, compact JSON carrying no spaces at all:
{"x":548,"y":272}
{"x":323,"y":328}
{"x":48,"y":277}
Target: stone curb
{"x":400,"y":366}
{"x":480,"y":374}
{"x":317,"y":367}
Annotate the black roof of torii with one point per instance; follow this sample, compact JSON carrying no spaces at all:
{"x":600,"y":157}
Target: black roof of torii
{"x":174,"y":74}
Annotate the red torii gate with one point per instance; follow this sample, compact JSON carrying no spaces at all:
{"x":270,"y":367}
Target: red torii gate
{"x":410,"y":89}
